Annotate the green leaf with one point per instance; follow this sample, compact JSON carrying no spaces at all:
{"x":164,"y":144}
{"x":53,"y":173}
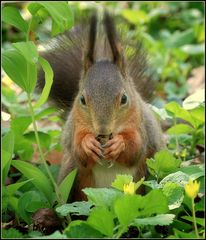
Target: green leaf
{"x":20,"y":124}
{"x":161,"y":219}
{"x":198,"y":115}
{"x":179,"y":112}
{"x":162,"y":164}
{"x":194,"y":49}
{"x":194,"y":100}
{"x":80,"y":229}
{"x":11,"y":233}
{"x":66,"y":185}
{"x":129,"y":207}
{"x":61,"y":14}
{"x":174,"y":193}
{"x":28,"y":50}
{"x":135,"y":16}
{"x":12,"y":188}
{"x":200,"y":221}
{"x":76,"y":208}
{"x":40,"y":181}
{"x":194,"y":171}
{"x":101,"y":219}
{"x":180,"y":234}
{"x":12,"y":16}
{"x":23,"y":73}
{"x":44,"y":138}
{"x":7,"y":151}
{"x":48,"y":82}
{"x":178,"y":177}
{"x":102,"y":196}
{"x":121,"y":180}
{"x":180,"y":129}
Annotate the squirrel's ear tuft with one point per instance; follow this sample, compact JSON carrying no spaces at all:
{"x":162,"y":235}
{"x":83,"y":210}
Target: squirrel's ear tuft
{"x":89,"y":53}
{"x":117,"y":51}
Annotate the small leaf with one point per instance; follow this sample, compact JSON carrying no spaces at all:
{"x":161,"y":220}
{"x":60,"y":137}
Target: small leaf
{"x":121,"y":180}
{"x":178,"y":177}
{"x":194,"y":100}
{"x":102,"y":220}
{"x":162,"y":164}
{"x":48,"y":82}
{"x":7,"y":151}
{"x":23,"y":73}
{"x":12,"y":188}
{"x":75,"y":208}
{"x":12,"y":16}
{"x":180,"y":129}
{"x":20,"y":124}
{"x":102,"y":196}
{"x":40,"y":181}
{"x":82,"y":230}
{"x":161,"y":219}
{"x":200,"y":221}
{"x":28,"y":50}
{"x":66,"y":185}
{"x":11,"y":233}
{"x":174,"y":193}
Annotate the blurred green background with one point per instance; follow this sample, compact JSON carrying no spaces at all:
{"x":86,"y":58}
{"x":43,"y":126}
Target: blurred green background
{"x":172,"y":34}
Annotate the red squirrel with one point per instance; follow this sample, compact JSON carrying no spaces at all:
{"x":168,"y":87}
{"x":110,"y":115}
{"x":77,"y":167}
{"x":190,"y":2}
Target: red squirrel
{"x":109,"y":129}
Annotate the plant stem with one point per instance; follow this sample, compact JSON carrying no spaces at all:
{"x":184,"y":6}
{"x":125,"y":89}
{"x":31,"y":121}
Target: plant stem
{"x":194,"y":218}
{"x":40,"y":150}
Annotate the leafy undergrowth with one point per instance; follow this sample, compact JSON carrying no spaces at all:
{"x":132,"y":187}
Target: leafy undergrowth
{"x":33,"y":206}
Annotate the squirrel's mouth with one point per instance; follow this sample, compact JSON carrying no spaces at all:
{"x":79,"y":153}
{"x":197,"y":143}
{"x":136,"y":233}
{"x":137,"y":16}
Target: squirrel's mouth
{"x":103,"y":139}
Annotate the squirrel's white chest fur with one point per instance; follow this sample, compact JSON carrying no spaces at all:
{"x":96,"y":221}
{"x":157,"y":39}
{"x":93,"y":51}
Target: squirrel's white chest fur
{"x":104,"y":176}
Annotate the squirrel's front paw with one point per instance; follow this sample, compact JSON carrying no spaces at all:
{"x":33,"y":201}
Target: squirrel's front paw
{"x":92,"y":147}
{"x":114,"y":147}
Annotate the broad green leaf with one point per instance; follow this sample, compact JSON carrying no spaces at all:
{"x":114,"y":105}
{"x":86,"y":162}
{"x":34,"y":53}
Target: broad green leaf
{"x":12,"y":16}
{"x":60,"y":12}
{"x":161,"y":112}
{"x":178,"y":39}
{"x":40,"y":181}
{"x":121,"y":180}
{"x":7,"y":151}
{"x":48,"y":82}
{"x":174,"y":193}
{"x":102,"y":220}
{"x":194,"y":49}
{"x":45,"y":112}
{"x":12,"y":188}
{"x":20,"y":124}
{"x":23,"y":148}
{"x":178,"y":177}
{"x":11,"y":233}
{"x":135,"y":16}
{"x":28,"y":50}
{"x":34,"y":205}
{"x":180,"y":234}
{"x":23,"y":73}
{"x":162,"y":164}
{"x":194,"y":171}
{"x":82,"y":230}
{"x":102,"y":196}
{"x":198,"y":115}
{"x":129,"y":207}
{"x":200,"y":221}
{"x":180,"y":128}
{"x":179,"y":112}
{"x":75,"y":208}
{"x":161,"y":219}
{"x":14,"y":201}
{"x":34,"y":8}
{"x":194,"y":100}
{"x":44,"y":138}
{"x":66,"y":185}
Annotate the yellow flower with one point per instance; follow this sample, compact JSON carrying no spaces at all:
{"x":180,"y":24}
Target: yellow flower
{"x":129,"y":188}
{"x":192,"y":188}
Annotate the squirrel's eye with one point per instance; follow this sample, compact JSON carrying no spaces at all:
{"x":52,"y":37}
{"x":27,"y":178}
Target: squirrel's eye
{"x":124,"y":99}
{"x":82,"y":100}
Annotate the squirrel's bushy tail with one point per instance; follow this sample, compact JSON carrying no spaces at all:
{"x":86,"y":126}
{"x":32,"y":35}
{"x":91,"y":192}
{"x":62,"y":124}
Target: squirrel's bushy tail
{"x":65,"y":54}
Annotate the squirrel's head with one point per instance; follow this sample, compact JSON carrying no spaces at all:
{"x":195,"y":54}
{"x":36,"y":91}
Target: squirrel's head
{"x":105,"y":95}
